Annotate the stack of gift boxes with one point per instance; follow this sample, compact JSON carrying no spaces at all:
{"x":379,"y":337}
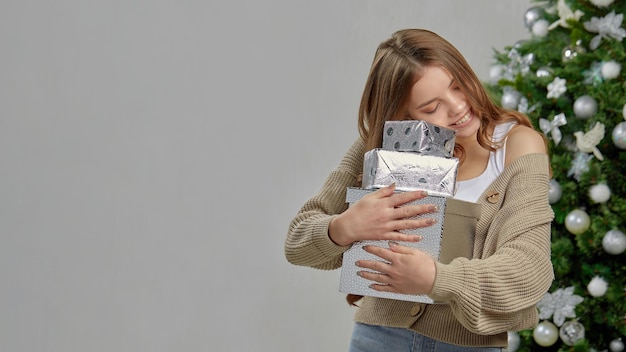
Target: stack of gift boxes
{"x":415,"y":155}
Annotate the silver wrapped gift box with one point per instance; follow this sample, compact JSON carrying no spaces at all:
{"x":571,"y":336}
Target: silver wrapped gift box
{"x":410,"y":171}
{"x":420,"y":137}
{"x":441,"y":240}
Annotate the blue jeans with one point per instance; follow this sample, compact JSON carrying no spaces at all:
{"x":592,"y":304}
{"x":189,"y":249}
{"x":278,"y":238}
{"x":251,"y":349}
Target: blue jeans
{"x":372,"y":338}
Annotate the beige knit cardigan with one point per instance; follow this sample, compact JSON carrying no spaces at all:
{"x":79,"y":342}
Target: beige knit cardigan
{"x":482,"y":298}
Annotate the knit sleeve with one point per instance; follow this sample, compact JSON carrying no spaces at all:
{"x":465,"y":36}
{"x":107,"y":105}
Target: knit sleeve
{"x":512,"y":269}
{"x":307,"y":242}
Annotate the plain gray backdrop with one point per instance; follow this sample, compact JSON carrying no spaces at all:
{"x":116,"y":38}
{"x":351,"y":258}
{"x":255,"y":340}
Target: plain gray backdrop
{"x":153,"y":153}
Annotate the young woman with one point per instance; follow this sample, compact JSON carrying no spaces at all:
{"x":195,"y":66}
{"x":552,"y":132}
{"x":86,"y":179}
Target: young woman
{"x":503,"y":174}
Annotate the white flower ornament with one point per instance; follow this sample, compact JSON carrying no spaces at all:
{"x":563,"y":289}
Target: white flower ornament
{"x":561,"y":304}
{"x":609,"y":26}
{"x":556,"y":88}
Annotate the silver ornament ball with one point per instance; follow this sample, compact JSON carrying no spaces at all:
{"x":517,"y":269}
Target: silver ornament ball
{"x":577,"y":221}
{"x":530,"y":58}
{"x":495,"y":73}
{"x":555,"y":192}
{"x":510,"y":99}
{"x":571,"y":51}
{"x":571,"y":332}
{"x":614,"y":242}
{"x":616,"y":345}
{"x":619,"y":135}
{"x":545,"y":334}
{"x":532,"y":15}
{"x":585,"y":107}
{"x":513,"y":340}
{"x":568,"y":54}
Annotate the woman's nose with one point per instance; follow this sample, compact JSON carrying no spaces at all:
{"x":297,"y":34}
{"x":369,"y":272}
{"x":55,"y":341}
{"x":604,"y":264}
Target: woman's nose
{"x":457,"y":103}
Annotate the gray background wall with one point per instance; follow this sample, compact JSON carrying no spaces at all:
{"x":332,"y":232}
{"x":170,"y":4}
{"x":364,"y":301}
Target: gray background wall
{"x":153,"y":153}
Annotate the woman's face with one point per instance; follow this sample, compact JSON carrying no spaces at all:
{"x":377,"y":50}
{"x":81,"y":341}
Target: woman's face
{"x":436,"y":98}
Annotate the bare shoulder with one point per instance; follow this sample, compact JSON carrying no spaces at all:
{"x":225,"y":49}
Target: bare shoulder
{"x":521,"y":141}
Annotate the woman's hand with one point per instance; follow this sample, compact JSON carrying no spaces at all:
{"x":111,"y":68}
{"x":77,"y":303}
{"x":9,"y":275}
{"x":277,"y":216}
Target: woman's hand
{"x":404,"y":269}
{"x":381,"y":216}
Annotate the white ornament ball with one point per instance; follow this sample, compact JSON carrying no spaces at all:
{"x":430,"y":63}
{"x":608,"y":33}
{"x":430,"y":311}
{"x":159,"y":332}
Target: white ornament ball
{"x":577,"y":221}
{"x":555,"y":192}
{"x":614,"y":242}
{"x":572,"y":332}
{"x":616,"y":345}
{"x":600,"y":193}
{"x":611,"y":69}
{"x":545,"y":334}
{"x":545,"y":72}
{"x":619,"y":135}
{"x":513,"y":342}
{"x":624,"y":112}
{"x":597,"y":286}
{"x":585,"y":107}
{"x":540,"y":28}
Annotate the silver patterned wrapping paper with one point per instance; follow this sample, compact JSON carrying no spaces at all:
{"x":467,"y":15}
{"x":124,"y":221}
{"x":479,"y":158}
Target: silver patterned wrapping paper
{"x":420,"y":137}
{"x":410,"y":171}
{"x":350,"y":282}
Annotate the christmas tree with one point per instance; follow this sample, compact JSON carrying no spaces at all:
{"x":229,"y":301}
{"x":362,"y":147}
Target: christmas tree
{"x":568,"y":77}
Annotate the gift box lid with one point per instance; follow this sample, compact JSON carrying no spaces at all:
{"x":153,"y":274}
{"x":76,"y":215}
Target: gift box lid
{"x":409,"y":171}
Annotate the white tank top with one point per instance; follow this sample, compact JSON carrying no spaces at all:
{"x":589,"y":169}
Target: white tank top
{"x":470,"y":190}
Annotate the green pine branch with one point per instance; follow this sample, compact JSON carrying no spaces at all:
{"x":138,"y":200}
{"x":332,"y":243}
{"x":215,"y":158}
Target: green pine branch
{"x":577,"y":259}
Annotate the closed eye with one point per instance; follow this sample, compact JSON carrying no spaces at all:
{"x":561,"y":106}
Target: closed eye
{"x":431,"y":111}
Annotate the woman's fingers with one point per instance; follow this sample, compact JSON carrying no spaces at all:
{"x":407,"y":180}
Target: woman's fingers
{"x":384,"y":192}
{"x":375,"y":270}
{"x":409,"y":224}
{"x":400,"y":269}
{"x":382,"y":215}
{"x":409,"y":211}
{"x":402,"y":198}
{"x":403,"y":210}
